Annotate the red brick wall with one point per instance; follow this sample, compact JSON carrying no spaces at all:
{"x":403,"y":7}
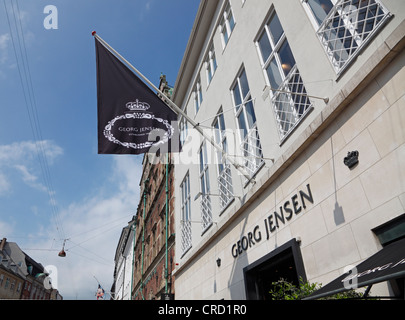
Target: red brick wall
{"x":154,"y":245}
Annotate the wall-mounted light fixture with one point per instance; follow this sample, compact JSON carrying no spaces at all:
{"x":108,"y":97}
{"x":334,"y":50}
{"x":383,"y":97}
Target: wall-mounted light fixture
{"x":219,"y":262}
{"x":352,"y":159}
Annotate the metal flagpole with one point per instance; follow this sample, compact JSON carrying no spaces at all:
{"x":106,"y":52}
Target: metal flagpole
{"x":178,"y":110}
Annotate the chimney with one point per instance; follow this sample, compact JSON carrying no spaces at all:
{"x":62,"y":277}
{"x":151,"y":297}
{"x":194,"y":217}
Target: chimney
{"x":2,"y":244}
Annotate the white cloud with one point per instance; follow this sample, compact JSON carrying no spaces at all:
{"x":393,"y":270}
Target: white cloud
{"x":4,"y":41}
{"x":4,"y":184}
{"x":93,"y":226}
{"x":148,"y":5}
{"x":29,"y":178}
{"x":23,"y":157}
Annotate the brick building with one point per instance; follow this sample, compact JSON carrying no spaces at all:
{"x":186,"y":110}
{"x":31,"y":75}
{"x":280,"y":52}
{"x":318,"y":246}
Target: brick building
{"x":155,"y":235}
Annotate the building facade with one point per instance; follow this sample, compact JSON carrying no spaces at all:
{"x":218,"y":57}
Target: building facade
{"x":307,"y":97}
{"x":124,"y":260}
{"x":154,"y":248}
{"x":21,"y":277}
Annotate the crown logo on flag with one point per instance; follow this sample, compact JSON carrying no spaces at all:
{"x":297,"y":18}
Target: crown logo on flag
{"x":137,"y":106}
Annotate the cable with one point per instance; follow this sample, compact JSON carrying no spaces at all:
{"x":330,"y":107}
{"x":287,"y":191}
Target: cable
{"x":21,"y":56}
{"x":99,"y":227}
{"x":95,"y":236}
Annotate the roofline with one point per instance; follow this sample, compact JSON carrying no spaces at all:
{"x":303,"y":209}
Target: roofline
{"x":205,"y":11}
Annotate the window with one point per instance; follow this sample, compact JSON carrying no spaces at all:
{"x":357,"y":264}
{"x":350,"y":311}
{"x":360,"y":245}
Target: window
{"x":246,"y":119}
{"x":344,"y":26}
{"x":211,"y":64}
{"x":206,"y":210}
{"x":185,"y":214}
{"x":12,"y":285}
{"x":198,"y":98}
{"x":289,"y":96}
{"x":226,"y":25}
{"x":391,"y":231}
{"x":183,"y":127}
{"x":224,"y":170}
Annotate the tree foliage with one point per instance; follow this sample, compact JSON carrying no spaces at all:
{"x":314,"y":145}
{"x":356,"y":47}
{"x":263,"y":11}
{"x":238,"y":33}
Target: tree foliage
{"x":284,"y":290}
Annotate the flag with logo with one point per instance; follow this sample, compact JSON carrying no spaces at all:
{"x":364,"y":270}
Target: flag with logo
{"x":132,"y":119}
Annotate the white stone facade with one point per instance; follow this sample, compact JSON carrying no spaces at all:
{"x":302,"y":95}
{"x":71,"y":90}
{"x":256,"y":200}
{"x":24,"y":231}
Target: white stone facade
{"x":365,"y":113}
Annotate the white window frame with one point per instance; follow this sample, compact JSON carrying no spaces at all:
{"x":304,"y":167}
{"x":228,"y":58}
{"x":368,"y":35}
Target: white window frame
{"x":220,"y":138}
{"x":288,"y":112}
{"x":183,"y":128}
{"x":349,"y":16}
{"x":198,"y":97}
{"x":224,"y":171}
{"x":210,"y":64}
{"x":186,"y":241}
{"x":205,"y":188}
{"x":241,"y":107}
{"x":225,"y":26}
{"x":250,"y":141}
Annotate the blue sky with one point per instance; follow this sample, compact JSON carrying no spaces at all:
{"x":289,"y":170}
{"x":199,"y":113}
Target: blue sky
{"x":76,"y":194}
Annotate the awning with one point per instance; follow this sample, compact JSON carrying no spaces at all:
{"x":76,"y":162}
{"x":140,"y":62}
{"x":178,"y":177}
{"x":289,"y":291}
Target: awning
{"x":386,"y":264}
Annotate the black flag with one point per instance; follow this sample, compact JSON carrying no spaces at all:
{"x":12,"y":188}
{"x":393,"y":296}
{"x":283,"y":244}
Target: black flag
{"x":132,"y":119}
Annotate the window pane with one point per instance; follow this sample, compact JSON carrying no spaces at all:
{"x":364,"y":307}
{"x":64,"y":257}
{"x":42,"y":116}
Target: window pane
{"x":242,"y":124}
{"x":224,"y":32}
{"x":203,"y":185}
{"x":264,"y":45}
{"x":205,"y":154}
{"x":320,"y":9}
{"x":244,"y":85}
{"x":217,"y":134}
{"x":236,"y":96}
{"x":275,"y":28}
{"x":231,"y":20}
{"x":201,"y":161}
{"x":207,"y":182}
{"x":214,"y":61}
{"x":250,"y":113}
{"x":200,"y":95}
{"x":286,"y":57}
{"x":209,"y":73}
{"x":274,"y":74}
{"x":222,"y":121}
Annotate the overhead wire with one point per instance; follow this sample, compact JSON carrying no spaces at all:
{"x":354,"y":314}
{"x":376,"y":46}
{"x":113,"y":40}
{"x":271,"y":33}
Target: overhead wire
{"x":21,"y":56}
{"x":95,"y":236}
{"x":98,"y":227}
{"x":13,"y":14}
